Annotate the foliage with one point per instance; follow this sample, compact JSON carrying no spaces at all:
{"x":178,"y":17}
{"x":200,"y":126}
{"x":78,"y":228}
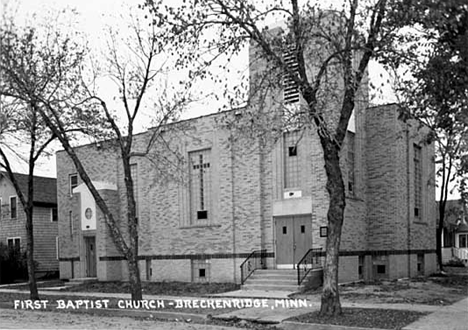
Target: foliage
{"x":13,"y":264}
{"x":431,"y":67}
{"x":341,"y":42}
{"x":455,"y":262}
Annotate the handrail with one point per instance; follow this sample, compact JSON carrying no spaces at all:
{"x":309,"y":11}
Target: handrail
{"x":311,"y":259}
{"x":254,"y":261}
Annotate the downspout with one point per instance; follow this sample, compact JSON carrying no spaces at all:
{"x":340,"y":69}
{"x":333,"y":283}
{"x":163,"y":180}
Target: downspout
{"x":408,"y":200}
{"x":233,"y":213}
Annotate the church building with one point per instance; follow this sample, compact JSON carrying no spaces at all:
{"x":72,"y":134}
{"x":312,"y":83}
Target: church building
{"x":216,"y":199}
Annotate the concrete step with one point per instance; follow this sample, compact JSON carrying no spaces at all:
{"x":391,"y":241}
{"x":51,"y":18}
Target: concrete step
{"x":275,"y":280}
{"x":290,"y":277}
{"x":275,"y":271}
{"x":272,"y":287}
{"x":271,"y":281}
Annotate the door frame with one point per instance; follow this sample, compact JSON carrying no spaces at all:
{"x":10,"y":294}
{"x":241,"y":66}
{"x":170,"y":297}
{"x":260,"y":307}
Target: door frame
{"x":275,"y":231}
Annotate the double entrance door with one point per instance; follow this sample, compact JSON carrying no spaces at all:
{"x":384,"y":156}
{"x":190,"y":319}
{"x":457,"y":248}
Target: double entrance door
{"x":293,"y":239}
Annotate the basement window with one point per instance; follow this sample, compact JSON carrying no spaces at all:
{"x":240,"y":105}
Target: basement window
{"x":200,"y":270}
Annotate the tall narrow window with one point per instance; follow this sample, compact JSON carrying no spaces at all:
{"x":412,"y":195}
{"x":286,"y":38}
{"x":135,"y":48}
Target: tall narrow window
{"x":417,"y":182}
{"x":134,"y":174}
{"x":350,"y":160}
{"x":291,"y":155}
{"x":70,"y":222}
{"x":53,"y":214}
{"x":0,"y":209}
{"x":57,"y":247}
{"x":73,"y":182}
{"x":200,"y":184}
{"x":291,"y":90}
{"x":13,"y":207}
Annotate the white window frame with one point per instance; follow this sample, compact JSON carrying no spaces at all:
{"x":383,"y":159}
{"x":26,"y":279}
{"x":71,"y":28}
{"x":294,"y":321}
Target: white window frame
{"x":52,"y":214}
{"x":70,"y":182}
{"x":14,"y":238}
{"x":16,"y":207}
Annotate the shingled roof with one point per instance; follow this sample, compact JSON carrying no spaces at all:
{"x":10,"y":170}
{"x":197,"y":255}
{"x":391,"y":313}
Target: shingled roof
{"x":45,"y":189}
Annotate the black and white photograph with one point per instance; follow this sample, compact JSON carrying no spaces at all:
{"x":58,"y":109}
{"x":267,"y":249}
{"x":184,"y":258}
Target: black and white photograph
{"x":234,"y":164}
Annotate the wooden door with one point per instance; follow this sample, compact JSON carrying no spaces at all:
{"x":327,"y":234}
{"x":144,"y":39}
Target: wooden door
{"x":284,"y":241}
{"x":293,"y":239}
{"x":302,"y":236}
{"x":90,"y":246}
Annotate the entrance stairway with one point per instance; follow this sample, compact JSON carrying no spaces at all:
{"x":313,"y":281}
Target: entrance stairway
{"x":272,"y":280}
{"x":280,"y":280}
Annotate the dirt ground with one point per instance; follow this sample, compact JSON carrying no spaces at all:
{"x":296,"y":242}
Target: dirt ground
{"x":440,"y":290}
{"x":20,"y":319}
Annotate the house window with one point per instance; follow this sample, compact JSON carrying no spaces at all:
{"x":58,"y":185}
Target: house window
{"x":291,"y":160}
{"x":350,"y":159}
{"x":463,"y":240}
{"x":134,"y":174}
{"x":73,"y":179}
{"x":200,"y":270}
{"x":1,"y":209}
{"x":200,"y":185}
{"x":291,"y":90}
{"x":14,"y":243}
{"x":13,"y":207}
{"x":417,"y":182}
{"x":53,"y":214}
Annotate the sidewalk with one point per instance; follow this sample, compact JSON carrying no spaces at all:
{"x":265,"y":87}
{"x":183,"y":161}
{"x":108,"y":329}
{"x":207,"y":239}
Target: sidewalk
{"x":453,"y":317}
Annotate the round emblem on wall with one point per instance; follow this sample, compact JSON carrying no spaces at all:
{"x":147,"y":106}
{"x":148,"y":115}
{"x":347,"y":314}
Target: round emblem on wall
{"x":88,"y":213}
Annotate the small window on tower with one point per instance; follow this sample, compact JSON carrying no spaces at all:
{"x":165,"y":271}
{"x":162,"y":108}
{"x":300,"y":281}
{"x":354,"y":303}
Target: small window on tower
{"x":292,"y":151}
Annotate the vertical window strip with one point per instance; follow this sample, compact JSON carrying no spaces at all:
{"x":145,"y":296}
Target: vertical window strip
{"x":290,"y":90}
{"x":73,"y":182}
{"x":200,"y":184}
{"x":291,"y":156}
{"x":351,"y":162}
{"x":417,"y":181}
{"x":13,"y":207}
{"x":70,"y":222}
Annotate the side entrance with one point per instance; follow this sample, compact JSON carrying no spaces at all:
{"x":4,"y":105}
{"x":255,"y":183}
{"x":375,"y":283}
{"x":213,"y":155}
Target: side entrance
{"x":90,"y":256}
{"x":293,"y":239}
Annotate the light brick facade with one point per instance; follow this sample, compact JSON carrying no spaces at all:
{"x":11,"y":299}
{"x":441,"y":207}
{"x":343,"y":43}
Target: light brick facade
{"x":248,"y":195}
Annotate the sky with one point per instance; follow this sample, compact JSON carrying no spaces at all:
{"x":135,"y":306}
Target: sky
{"x":93,"y":17}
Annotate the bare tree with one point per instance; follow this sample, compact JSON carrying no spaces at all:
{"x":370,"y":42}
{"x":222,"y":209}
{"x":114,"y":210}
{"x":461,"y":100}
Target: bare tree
{"x":22,"y":123}
{"x":339,"y":43}
{"x":68,"y":103}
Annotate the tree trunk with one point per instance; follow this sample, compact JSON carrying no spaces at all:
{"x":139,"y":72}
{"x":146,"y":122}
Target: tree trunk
{"x":330,"y":294}
{"x":33,"y":294}
{"x":439,"y":229}
{"x":134,"y":278}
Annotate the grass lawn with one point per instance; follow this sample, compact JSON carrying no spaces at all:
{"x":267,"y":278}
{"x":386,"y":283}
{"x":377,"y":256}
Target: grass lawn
{"x":365,"y":318}
{"x":158,"y":288}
